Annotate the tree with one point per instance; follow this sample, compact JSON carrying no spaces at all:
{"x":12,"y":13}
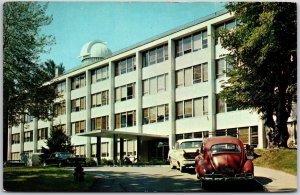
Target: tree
{"x":262,"y":50}
{"x":52,"y":67}
{"x":23,"y":75}
{"x":58,"y":141}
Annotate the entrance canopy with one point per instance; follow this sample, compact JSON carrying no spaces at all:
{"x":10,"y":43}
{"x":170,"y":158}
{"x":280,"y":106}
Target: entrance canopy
{"x":121,"y":134}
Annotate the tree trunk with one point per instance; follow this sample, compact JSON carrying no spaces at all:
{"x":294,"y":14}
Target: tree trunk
{"x":5,"y":124}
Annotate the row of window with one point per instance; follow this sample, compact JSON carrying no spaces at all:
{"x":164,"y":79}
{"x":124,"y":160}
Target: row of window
{"x":192,"y":108}
{"x":156,"y":55}
{"x":43,"y":133}
{"x":100,"y":123}
{"x":200,"y":134}
{"x":248,"y":135}
{"x":78,"y":81}
{"x":78,"y":104}
{"x":222,"y":68}
{"x":100,"y":99}
{"x":59,"y":108}
{"x":155,"y":84}
{"x":28,"y":136}
{"x":191,"y":43}
{"x":100,"y":74}
{"x":125,"y":119}
{"x":125,"y":92}
{"x":192,"y":75}
{"x":124,"y":66}
{"x":156,"y":114}
{"x":226,"y":25}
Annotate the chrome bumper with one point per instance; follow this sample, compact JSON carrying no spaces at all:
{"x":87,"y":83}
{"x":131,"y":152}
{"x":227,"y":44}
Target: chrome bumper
{"x":220,"y":177}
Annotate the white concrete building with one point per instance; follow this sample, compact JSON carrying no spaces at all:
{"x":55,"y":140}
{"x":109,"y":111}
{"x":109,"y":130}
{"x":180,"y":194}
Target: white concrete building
{"x":156,"y":91}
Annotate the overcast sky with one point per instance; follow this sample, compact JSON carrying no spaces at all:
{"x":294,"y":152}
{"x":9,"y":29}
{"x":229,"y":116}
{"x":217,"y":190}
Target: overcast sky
{"x":119,"y":24}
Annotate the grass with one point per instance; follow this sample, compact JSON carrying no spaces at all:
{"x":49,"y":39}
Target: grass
{"x":43,"y":179}
{"x":280,"y":159}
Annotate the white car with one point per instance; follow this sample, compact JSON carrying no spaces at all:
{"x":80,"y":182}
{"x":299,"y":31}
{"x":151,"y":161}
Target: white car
{"x":184,"y":153}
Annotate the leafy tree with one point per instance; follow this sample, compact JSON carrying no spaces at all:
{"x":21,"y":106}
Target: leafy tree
{"x":262,"y":50}
{"x":58,"y":141}
{"x":51,"y":68}
{"x":23,"y":75}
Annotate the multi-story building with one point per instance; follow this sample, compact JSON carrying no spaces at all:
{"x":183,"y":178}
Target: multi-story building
{"x":134,"y":101}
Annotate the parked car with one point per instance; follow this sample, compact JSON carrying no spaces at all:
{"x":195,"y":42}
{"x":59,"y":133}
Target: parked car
{"x":223,"y":159}
{"x":63,"y":159}
{"x":183,"y":155}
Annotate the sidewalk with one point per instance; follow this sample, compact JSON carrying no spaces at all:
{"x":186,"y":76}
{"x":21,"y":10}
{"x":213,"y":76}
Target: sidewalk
{"x":275,"y":181}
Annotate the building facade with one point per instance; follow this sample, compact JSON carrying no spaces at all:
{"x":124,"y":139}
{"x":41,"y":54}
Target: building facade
{"x":134,"y":101}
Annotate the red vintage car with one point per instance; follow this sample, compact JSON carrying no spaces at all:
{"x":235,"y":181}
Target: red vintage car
{"x":222,"y":159}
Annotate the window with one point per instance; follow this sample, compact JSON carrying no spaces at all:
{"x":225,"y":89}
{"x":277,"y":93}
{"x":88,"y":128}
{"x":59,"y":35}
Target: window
{"x":220,"y":105}
{"x":78,"y":104}
{"x":244,"y":134}
{"x":60,"y":108}
{"x":155,"y":84}
{"x":156,"y":114}
{"x":60,"y":128}
{"x":205,"y":72}
{"x":192,"y":75}
{"x":227,"y":25}
{"x":60,"y":88}
{"x":100,"y":123}
{"x":100,"y":99}
{"x":155,"y":55}
{"x":191,"y":108}
{"x":232,"y":132}
{"x":43,"y":133}
{"x":125,"y":92}
{"x":15,"y":156}
{"x":78,"y":81}
{"x":188,"y":77}
{"x":221,"y":132}
{"x":179,"y":78}
{"x":28,"y":136}
{"x":28,"y":118}
{"x":100,"y":74}
{"x":125,"y":66}
{"x":254,"y":136}
{"x":125,"y":119}
{"x":197,"y":74}
{"x":80,"y":151}
{"x":78,"y":127}
{"x":188,"y":109}
{"x":104,"y":149}
{"x":94,"y":150}
{"x":15,"y":138}
{"x":191,"y":43}
{"x":220,"y":69}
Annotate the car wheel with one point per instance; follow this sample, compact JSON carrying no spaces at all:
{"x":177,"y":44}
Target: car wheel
{"x":171,"y":165}
{"x":182,"y":169}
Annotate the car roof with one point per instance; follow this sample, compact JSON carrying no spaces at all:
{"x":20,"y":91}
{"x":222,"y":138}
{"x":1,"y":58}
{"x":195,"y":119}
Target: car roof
{"x":222,"y":139}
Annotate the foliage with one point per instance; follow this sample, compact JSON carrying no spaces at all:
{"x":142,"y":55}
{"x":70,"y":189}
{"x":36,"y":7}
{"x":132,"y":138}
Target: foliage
{"x":50,"y":179}
{"x":107,"y":162}
{"x":51,"y":68}
{"x":262,"y":50}
{"x":90,"y":162}
{"x":279,"y":159}
{"x":58,"y":141}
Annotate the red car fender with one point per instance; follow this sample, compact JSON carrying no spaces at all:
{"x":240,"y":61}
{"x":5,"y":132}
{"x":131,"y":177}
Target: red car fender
{"x":203,"y":167}
{"x":248,"y":167}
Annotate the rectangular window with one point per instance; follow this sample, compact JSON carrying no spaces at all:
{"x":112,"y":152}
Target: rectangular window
{"x":160,"y":54}
{"x":118,"y":121}
{"x":145,"y":115}
{"x":197,"y":42}
{"x":161,"y":113}
{"x":42,"y":133}
{"x":104,"y":97}
{"x":220,"y":69}
{"x":123,"y":120}
{"x":188,"y":77}
{"x":153,"y":115}
{"x":221,"y":132}
{"x":197,"y":74}
{"x":179,"y":110}
{"x":161,"y":83}
{"x":15,"y":138}
{"x":99,"y":74}
{"x":130,"y":119}
{"x":244,"y":135}
{"x":205,"y":72}
{"x":153,"y":85}
{"x":179,"y":78}
{"x":205,"y":105}
{"x":78,"y":82}
{"x":254,"y":136}
{"x":198,"y":107}
{"x":220,"y":105}
{"x":166,"y":112}
{"x":187,"y":47}
{"x":178,"y":46}
{"x":204,"y":39}
{"x":129,"y":65}
{"x":188,"y":111}
{"x":28,"y":136}
{"x":152,"y":56}
{"x":78,"y":104}
{"x":78,"y":127}
{"x":124,"y":66}
{"x":123,"y":93}
{"x":146,"y":87}
{"x":166,"y":54}
{"x":60,"y":88}
{"x":232,"y":132}
{"x":146,"y":59}
{"x":130,"y":91}
{"x":118,"y":94}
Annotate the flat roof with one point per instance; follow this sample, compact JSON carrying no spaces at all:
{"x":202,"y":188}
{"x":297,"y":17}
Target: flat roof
{"x":121,"y":134}
{"x":159,"y":36}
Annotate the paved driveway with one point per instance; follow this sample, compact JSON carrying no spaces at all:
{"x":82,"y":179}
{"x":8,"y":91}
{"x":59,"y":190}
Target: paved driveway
{"x":156,"y":179}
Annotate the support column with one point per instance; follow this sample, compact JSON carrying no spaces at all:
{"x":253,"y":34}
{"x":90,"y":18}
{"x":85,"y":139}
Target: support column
{"x":9,"y":143}
{"x":139,"y":92}
{"x":22,"y":135}
{"x":211,"y":80}
{"x":111,"y":68}
{"x":68,"y":107}
{"x":138,"y":148}
{"x":98,"y":150}
{"x":115,"y":149}
{"x":121,"y":149}
{"x":35,"y":135}
{"x":88,"y":113}
{"x":172,"y":104}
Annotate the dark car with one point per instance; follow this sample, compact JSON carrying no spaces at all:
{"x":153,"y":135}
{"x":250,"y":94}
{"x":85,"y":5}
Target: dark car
{"x":223,"y":159}
{"x":63,"y":159}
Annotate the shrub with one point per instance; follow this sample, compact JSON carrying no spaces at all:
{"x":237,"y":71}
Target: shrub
{"x":90,"y":162}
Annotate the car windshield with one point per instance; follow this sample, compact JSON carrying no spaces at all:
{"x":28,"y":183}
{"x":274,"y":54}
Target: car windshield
{"x":221,"y":148}
{"x":190,"y":144}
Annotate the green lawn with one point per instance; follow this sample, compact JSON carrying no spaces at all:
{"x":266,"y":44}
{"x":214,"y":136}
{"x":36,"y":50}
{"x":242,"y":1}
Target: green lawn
{"x":43,"y":179}
{"x":280,"y":159}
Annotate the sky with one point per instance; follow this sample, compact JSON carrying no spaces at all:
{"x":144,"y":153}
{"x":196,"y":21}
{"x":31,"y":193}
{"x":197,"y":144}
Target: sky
{"x":118,"y":24}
